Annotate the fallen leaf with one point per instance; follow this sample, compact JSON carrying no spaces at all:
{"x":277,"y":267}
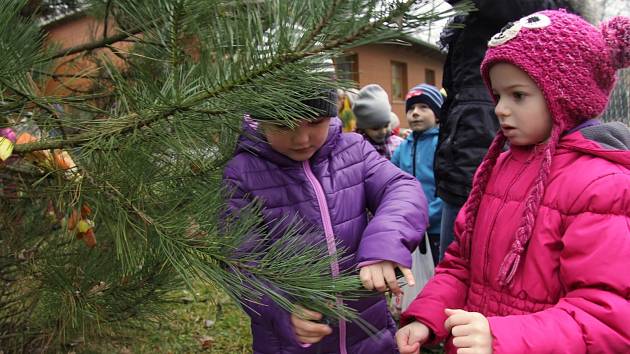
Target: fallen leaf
{"x":206,"y":342}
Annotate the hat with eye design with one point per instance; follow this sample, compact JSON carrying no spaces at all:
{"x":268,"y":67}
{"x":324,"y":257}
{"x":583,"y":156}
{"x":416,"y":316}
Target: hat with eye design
{"x":572,"y":62}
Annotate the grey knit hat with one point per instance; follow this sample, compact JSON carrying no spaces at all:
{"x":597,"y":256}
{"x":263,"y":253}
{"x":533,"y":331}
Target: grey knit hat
{"x":371,"y":107}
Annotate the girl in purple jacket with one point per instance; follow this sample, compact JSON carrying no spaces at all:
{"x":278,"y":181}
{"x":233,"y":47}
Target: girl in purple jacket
{"x":541,"y":259}
{"x":331,"y":180}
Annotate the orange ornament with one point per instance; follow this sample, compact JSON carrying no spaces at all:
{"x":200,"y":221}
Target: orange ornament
{"x":89,"y":238}
{"x":85,"y":210}
{"x":63,"y":160}
{"x":73,"y":219}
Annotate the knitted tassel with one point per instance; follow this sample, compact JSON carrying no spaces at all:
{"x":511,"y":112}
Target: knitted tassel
{"x":508,"y":268}
{"x":510,"y":263}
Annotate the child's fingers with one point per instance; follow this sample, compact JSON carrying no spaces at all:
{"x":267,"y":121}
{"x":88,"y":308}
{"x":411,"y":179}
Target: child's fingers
{"x":390,"y":279}
{"x":309,"y":339}
{"x":307,"y":329}
{"x":402,"y":340}
{"x":463,"y":342}
{"x":467,"y":351}
{"x":455,"y":318}
{"x":366,"y":278}
{"x":408,"y":275}
{"x":462,"y":330}
{"x":378,"y":279}
{"x":450,"y":312}
{"x":308,"y":314}
{"x":409,"y":349}
{"x":312,"y":330}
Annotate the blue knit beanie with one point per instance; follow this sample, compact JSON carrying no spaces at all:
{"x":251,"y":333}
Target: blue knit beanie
{"x":427,"y":94}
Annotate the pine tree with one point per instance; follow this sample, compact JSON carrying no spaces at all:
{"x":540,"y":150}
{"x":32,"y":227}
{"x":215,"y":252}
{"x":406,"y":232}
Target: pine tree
{"x":112,"y":196}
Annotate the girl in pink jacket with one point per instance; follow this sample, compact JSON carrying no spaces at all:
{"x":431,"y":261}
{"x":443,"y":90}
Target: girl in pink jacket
{"x":541,"y":262}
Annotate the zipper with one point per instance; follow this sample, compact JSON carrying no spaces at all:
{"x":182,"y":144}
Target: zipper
{"x":330,"y":241}
{"x":494,"y":219}
{"x":413,"y":154}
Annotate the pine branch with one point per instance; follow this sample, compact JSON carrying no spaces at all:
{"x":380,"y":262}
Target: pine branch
{"x":151,"y":148}
{"x":106,"y":19}
{"x":46,"y":108}
{"x":153,"y":117}
{"x":95,"y":45}
{"x":320,"y":26}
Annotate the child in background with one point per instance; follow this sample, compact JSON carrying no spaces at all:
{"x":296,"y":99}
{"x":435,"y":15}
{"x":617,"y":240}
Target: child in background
{"x":373,"y":113}
{"x":415,"y":155}
{"x":540,"y":262}
{"x":332,"y":180}
{"x":345,"y":99}
{"x":394,"y":124}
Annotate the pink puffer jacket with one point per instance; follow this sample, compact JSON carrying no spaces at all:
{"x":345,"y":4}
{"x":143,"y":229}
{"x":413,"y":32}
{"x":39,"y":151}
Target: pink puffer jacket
{"x":571,"y":290}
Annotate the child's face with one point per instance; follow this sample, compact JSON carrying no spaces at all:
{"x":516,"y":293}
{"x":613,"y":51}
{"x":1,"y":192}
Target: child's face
{"x":299,"y":143}
{"x":420,"y":117}
{"x":378,"y":134}
{"x":521,"y":106}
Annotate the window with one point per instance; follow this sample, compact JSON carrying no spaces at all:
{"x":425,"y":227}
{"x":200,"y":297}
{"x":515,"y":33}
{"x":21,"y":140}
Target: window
{"x":347,"y":67}
{"x":429,"y":76}
{"x":399,"y":81}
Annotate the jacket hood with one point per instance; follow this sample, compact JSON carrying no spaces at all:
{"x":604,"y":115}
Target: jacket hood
{"x":254,"y":142}
{"x":610,"y":141}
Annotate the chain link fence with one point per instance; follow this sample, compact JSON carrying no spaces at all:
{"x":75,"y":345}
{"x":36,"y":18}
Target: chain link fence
{"x":619,"y":104}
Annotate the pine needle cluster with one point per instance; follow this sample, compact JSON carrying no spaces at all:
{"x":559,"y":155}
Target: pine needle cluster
{"x":113,"y":196}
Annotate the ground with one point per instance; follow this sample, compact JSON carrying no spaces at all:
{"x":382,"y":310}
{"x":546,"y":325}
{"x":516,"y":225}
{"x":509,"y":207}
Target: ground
{"x":208,"y":322}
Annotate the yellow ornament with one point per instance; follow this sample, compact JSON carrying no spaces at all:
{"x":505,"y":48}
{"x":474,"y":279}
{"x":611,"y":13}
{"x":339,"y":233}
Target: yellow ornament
{"x":6,"y":148}
{"x":83,"y":225}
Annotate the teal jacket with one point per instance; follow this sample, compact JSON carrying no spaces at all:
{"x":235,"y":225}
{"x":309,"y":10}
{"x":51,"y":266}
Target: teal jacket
{"x":415,"y":156}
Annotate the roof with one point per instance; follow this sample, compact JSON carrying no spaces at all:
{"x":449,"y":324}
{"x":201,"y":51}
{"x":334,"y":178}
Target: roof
{"x":426,"y":48}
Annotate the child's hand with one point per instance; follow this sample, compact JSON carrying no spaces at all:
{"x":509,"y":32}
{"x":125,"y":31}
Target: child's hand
{"x":381,"y":276}
{"x":411,"y":337}
{"x":470,"y":330}
{"x":307,"y":331}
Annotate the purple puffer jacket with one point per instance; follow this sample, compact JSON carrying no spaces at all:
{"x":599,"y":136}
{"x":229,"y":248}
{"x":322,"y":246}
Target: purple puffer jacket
{"x":334,"y":190}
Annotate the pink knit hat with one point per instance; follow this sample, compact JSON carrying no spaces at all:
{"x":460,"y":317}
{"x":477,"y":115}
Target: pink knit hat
{"x":573,"y":64}
{"x":571,"y":61}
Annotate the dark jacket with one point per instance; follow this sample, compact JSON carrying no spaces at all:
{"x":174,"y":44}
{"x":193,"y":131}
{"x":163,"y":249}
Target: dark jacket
{"x":468,"y":123}
{"x":335,"y":189}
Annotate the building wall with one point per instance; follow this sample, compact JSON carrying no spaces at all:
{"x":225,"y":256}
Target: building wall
{"x":374,"y":67}
{"x":74,"y":31}
{"x":374,"y":61}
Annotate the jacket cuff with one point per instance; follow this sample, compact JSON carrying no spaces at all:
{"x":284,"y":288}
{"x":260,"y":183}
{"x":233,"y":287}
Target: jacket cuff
{"x":367,"y":263}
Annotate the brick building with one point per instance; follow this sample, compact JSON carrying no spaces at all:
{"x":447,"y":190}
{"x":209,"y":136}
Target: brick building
{"x":396,"y":66}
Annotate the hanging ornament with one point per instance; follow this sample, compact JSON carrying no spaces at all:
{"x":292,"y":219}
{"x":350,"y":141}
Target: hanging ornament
{"x":7,"y":142}
{"x":84,"y":227}
{"x":39,"y":155}
{"x":89,"y":238}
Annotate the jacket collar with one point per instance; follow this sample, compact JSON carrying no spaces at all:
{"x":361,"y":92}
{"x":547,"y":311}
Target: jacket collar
{"x":425,"y":134}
